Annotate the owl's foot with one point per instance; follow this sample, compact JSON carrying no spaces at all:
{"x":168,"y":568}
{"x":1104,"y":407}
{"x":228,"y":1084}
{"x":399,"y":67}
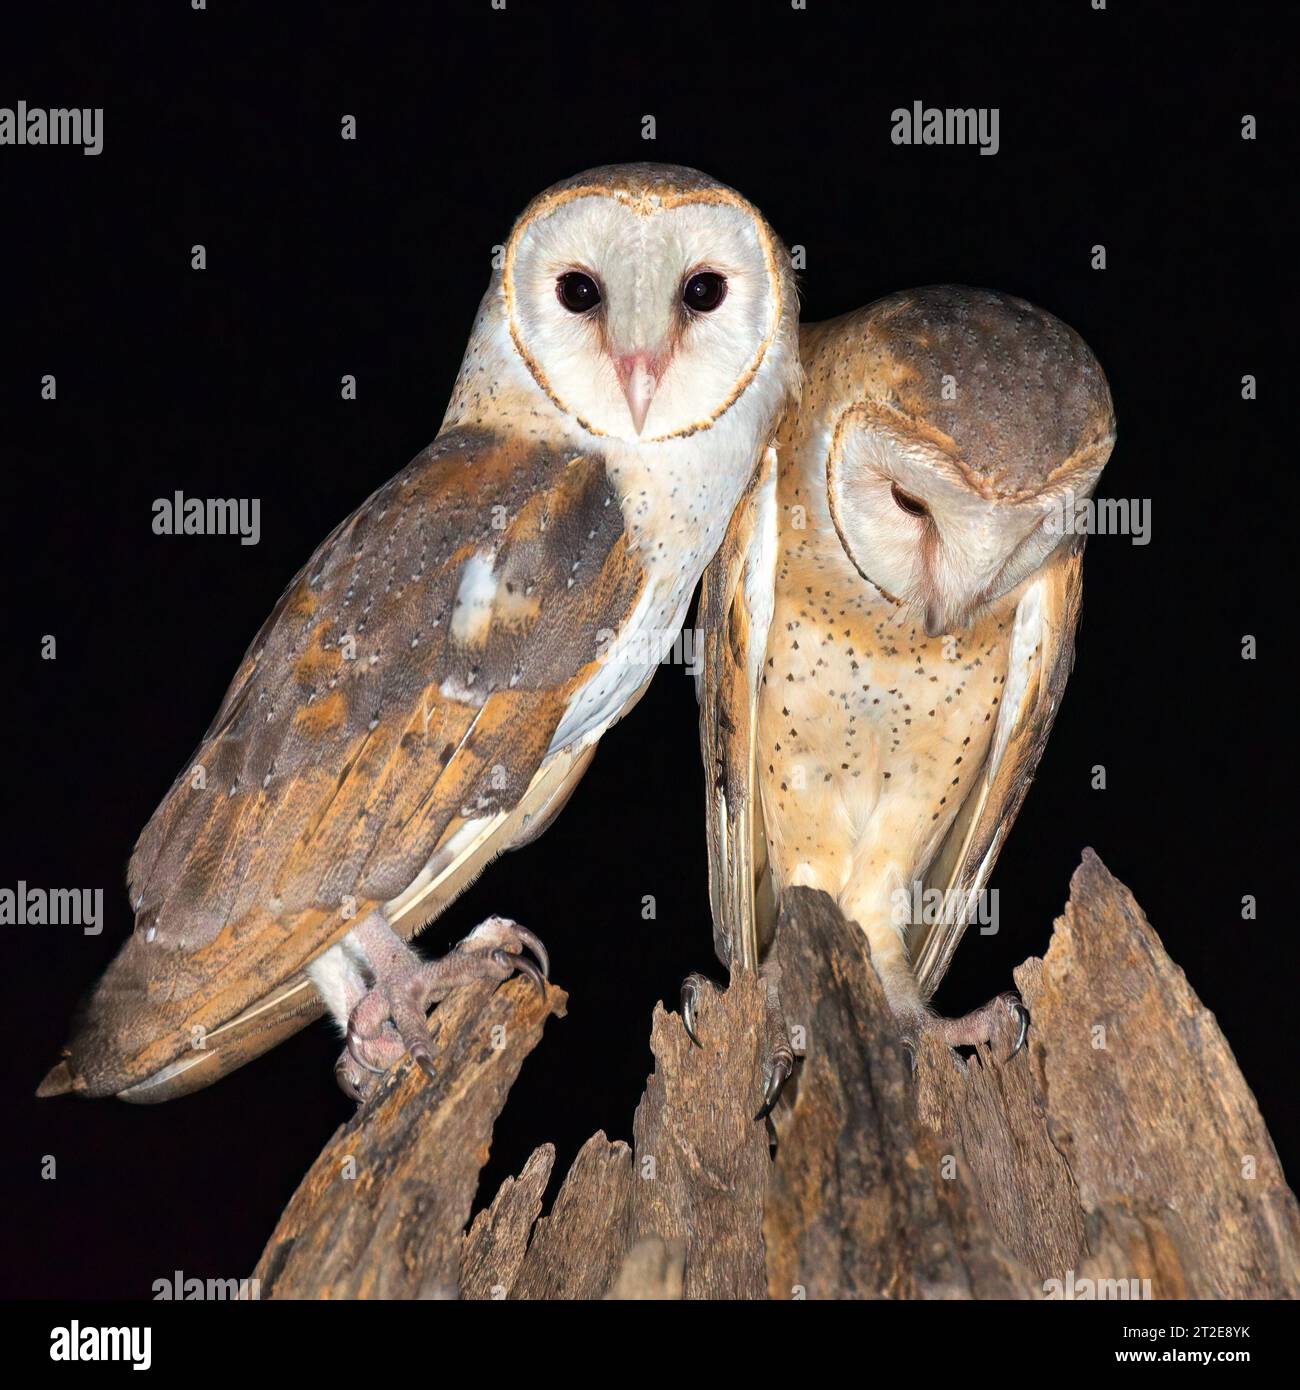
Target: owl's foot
{"x":690,"y":999}
{"x":388,"y":1020}
{"x":982,"y":1025}
{"x":778,"y":1055}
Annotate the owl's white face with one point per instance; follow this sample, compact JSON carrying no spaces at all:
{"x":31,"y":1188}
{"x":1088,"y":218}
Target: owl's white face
{"x":643,"y":322}
{"x":918,"y":531}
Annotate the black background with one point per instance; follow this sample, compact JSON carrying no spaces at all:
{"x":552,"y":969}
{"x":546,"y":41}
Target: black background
{"x":327,"y":257}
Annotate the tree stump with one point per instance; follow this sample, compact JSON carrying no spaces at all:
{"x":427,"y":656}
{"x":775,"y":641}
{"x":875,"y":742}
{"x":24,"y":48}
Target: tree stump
{"x":1120,"y":1154}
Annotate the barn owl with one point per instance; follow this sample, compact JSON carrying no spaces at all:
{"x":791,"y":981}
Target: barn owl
{"x":434,"y":681}
{"x":889,"y":625}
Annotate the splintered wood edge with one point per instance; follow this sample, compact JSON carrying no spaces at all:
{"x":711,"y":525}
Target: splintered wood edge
{"x":1176,"y":1176}
{"x":497,"y":1240}
{"x":452,"y":1114}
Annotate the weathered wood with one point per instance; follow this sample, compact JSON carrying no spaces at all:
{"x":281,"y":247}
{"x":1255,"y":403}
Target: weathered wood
{"x":577,"y":1250}
{"x":681,"y":1211}
{"x":990,"y":1114}
{"x":1173,"y":1167}
{"x":864,"y":1202}
{"x":382,"y":1211}
{"x":653,"y":1270}
{"x":701,"y":1161}
{"x":1122,"y":1145}
{"x":496,"y":1243}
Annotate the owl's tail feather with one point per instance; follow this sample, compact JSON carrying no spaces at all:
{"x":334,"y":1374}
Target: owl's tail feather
{"x":61,"y":1080}
{"x":90,"y":1065}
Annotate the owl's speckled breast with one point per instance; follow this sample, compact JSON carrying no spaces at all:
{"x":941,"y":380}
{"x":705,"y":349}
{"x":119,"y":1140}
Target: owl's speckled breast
{"x":870,"y":733}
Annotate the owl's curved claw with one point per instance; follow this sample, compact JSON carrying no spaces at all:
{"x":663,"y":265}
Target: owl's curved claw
{"x":355,"y":1048}
{"x":974,"y":1029}
{"x":1022,"y":1017}
{"x":423,"y":1059}
{"x":503,"y":942}
{"x":690,"y":997}
{"x":778,"y":1062}
{"x":778,"y":1073}
{"x":366,"y":1055}
{"x":534,"y":944}
{"x":346,"y":1084}
{"x":525,"y":965}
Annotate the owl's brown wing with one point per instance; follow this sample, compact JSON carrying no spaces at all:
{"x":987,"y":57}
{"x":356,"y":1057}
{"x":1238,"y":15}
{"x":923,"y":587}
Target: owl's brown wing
{"x":391,"y":720}
{"x":735,"y":612}
{"x":1041,"y":655}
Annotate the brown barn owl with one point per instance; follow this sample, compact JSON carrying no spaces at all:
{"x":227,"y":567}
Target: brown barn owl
{"x":889,"y":626}
{"x":433,"y":683}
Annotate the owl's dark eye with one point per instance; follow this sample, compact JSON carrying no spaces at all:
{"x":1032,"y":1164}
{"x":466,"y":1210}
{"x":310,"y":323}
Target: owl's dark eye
{"x":577,"y":292}
{"x":913,"y":506}
{"x":704,"y":292}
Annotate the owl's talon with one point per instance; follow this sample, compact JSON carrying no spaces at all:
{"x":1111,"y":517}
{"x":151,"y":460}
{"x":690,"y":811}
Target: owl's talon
{"x":504,"y":942}
{"x":779,"y":1072}
{"x":390,"y":1019}
{"x":367,"y":1056}
{"x":689,"y":998}
{"x":778,"y":1066}
{"x":346,"y":1084}
{"x":1022,"y":1017}
{"x":534,"y":944}
{"x":355,"y":1046}
{"x":971,"y":1030}
{"x":510,"y":962}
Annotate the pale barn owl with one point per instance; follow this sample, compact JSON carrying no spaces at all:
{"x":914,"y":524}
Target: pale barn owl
{"x":889,"y":628}
{"x":432,"y":685}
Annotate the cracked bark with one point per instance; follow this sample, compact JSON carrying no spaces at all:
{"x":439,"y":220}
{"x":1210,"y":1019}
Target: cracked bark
{"x":382,"y":1210}
{"x":1122,"y":1144}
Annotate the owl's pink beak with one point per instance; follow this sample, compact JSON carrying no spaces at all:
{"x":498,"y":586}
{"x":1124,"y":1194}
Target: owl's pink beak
{"x":639,"y":373}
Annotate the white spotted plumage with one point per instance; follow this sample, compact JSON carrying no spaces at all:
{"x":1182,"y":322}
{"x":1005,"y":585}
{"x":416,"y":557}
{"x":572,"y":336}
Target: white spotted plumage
{"x":915,"y":620}
{"x":432,"y":684}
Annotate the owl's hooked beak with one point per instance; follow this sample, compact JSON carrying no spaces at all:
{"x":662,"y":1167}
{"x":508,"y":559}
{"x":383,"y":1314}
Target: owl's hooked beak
{"x":942,"y":618}
{"x":639,"y":373}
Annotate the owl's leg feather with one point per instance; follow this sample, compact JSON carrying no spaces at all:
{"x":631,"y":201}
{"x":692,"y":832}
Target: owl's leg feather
{"x":389,"y":1019}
